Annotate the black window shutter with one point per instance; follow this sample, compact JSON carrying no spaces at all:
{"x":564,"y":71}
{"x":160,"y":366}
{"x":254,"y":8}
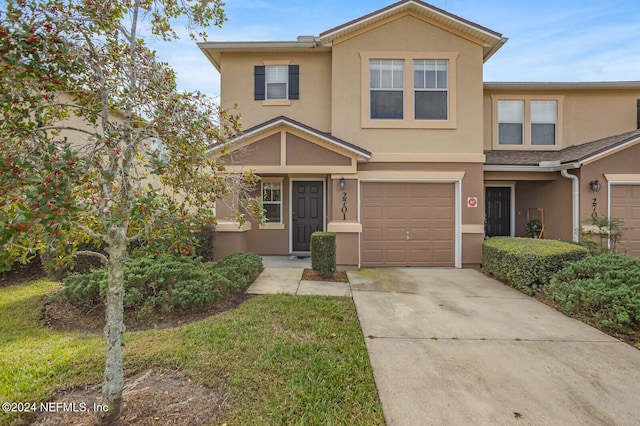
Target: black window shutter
{"x":259,"y":83}
{"x":294,"y":81}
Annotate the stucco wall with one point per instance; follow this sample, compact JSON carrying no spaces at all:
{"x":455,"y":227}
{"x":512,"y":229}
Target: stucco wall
{"x":313,"y":107}
{"x":587,"y":115}
{"x":623,"y":162}
{"x":408,"y":34}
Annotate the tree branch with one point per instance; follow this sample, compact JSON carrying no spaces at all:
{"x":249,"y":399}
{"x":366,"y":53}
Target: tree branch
{"x":92,"y":233}
{"x":104,"y":259}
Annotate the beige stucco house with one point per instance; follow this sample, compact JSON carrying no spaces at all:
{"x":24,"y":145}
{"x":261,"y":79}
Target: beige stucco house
{"x":382,"y":131}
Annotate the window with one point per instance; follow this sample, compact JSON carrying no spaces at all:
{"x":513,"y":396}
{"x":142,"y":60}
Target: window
{"x":543,"y":122}
{"x":511,"y":122}
{"x":527,"y":121}
{"x":272,"y":202}
{"x":429,"y":79}
{"x":276,"y":82}
{"x":430,"y":83}
{"x":386,"y":84}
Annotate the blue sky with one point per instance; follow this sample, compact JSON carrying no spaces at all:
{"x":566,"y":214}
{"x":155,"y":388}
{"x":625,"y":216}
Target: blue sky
{"x":557,"y":40}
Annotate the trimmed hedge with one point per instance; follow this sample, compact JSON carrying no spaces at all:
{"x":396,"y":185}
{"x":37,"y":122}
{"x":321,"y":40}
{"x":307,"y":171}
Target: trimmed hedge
{"x":323,"y":253}
{"x":604,"y":287}
{"x":527,"y":263}
{"x":166,"y":283}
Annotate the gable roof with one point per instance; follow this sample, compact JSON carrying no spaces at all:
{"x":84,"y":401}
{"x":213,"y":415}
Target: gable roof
{"x":362,"y":154}
{"x":491,"y":40}
{"x":573,"y":156}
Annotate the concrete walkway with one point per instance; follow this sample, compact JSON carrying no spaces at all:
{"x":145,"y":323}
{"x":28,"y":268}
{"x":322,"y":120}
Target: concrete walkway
{"x":279,"y":280}
{"x":453,"y":347}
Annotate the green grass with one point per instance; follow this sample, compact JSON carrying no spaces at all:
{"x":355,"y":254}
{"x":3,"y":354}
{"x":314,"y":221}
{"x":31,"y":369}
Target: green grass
{"x":284,"y":359}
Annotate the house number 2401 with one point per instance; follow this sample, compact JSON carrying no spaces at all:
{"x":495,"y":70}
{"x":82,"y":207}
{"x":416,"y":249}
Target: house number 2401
{"x":344,"y":206}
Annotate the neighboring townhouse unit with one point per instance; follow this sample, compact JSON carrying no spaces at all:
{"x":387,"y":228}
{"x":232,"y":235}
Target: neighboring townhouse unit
{"x":382,"y":131}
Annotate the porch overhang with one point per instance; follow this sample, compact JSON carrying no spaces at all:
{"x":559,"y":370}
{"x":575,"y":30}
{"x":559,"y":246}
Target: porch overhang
{"x":285,"y":146}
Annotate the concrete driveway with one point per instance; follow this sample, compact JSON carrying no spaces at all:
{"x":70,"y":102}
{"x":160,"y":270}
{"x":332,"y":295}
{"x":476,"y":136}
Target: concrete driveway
{"x":453,"y":347}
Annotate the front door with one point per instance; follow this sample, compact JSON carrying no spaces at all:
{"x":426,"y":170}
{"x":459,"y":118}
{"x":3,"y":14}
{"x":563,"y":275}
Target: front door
{"x":497,"y":211}
{"x":306,"y":213}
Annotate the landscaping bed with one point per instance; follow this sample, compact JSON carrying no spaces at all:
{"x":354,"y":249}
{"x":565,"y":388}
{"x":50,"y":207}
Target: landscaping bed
{"x":272,"y":359}
{"x":601,"y":290}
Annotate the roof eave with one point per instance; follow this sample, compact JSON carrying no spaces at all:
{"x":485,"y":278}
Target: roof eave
{"x":613,"y":85}
{"x":361,"y":155}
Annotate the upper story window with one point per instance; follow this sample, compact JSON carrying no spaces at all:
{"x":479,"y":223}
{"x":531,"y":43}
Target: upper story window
{"x":544,"y":116}
{"x":408,"y":90}
{"x":430,"y":84}
{"x":386,"y":84}
{"x":527,"y":122}
{"x":276,"y":82}
{"x":511,"y":122}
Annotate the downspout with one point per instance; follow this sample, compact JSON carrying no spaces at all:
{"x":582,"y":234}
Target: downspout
{"x":575,"y":183}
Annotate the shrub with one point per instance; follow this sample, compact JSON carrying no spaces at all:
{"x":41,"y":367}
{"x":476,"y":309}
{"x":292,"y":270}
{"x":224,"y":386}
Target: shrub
{"x":166,"y":283}
{"x":204,"y":243}
{"x":604,"y":287}
{"x":323,"y":253}
{"x":527,"y":263}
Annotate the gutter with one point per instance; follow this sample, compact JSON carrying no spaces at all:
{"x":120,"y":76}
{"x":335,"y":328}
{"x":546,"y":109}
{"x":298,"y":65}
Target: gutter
{"x":575,"y":184}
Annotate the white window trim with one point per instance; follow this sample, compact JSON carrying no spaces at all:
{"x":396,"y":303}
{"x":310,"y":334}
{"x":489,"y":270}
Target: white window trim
{"x":430,"y":89}
{"x":526,"y":146}
{"x":409,"y":121}
{"x":524,"y":109}
{"x":275,"y":102}
{"x":280,"y":180}
{"x":389,"y":89}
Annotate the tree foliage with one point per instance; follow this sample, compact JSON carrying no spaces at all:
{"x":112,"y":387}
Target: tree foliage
{"x":97,"y":144}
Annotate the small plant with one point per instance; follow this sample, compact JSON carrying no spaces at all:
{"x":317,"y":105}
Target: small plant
{"x":323,"y":253}
{"x":532,"y":228}
{"x":603,"y":234}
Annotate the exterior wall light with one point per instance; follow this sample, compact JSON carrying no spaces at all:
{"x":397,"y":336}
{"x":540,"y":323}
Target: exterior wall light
{"x":595,"y":185}
{"x":342,"y":183}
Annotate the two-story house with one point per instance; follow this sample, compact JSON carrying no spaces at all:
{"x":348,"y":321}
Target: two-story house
{"x":382,"y":131}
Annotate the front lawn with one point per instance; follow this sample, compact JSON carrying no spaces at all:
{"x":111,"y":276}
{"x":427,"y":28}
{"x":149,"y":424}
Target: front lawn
{"x":275,"y":359}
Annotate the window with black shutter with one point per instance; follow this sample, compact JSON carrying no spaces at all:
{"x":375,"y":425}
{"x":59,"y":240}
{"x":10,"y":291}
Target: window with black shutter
{"x":276,"y":82}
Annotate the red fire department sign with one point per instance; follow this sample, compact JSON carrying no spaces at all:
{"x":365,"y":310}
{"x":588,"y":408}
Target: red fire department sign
{"x":472,"y":202}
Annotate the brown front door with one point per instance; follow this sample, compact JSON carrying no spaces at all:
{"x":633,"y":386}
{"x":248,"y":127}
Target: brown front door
{"x":497,"y":211}
{"x":307,"y":207}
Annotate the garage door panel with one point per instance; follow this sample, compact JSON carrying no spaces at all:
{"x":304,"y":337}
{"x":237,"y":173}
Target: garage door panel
{"x":625,"y":205}
{"x":425,"y":210}
{"x":393,"y":212}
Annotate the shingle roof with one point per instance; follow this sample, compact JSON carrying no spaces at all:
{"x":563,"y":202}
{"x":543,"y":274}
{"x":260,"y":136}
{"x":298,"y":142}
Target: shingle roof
{"x":572,"y":154}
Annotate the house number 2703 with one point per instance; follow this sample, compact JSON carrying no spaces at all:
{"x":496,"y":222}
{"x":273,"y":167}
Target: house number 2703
{"x":344,"y":206}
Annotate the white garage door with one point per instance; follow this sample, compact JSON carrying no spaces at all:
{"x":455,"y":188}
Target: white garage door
{"x":625,"y":205}
{"x":407,"y":224}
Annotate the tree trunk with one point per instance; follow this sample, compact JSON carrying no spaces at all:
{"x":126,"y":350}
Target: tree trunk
{"x":114,"y":328}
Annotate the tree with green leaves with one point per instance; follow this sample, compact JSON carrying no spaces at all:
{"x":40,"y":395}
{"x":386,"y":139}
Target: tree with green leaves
{"x":98,"y":145}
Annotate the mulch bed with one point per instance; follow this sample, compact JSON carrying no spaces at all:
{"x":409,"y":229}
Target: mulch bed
{"x":338,"y":277}
{"x":20,"y":274}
